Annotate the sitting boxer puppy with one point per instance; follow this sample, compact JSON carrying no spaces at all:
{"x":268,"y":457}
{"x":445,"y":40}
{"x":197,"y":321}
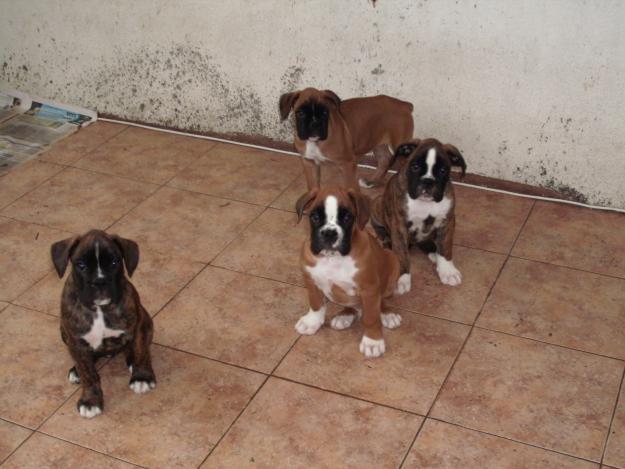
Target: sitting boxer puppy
{"x":417,"y":208}
{"x":101,"y":313}
{"x":345,"y":264}
{"x":335,"y":131}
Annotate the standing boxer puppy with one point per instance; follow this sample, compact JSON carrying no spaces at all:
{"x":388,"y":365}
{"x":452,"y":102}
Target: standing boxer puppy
{"x":345,"y":264}
{"x":417,"y":208}
{"x":101,"y":313}
{"x":335,"y":131}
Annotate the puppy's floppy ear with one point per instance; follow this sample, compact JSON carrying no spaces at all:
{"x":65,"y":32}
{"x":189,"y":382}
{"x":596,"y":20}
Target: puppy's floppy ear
{"x":455,"y":157}
{"x":130,"y":251}
{"x":61,"y":252}
{"x":287,"y":100}
{"x":363,"y":208}
{"x":407,"y":148}
{"x":303,"y":202}
{"x":333,"y":97}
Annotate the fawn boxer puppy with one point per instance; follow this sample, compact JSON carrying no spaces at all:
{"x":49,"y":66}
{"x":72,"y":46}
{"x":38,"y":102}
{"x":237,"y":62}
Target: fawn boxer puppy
{"x":101,"y":313}
{"x":329,"y":130}
{"x":417,"y":208}
{"x":345,"y":264}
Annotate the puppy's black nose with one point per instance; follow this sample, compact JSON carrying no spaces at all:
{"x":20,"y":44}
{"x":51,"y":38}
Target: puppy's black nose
{"x":427,"y":183}
{"x":329,"y":236}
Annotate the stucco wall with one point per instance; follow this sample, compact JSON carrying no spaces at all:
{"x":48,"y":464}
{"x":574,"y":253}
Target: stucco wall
{"x":531,"y":91}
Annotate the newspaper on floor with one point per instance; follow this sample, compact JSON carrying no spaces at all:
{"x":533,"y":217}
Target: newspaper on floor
{"x":29,"y":124}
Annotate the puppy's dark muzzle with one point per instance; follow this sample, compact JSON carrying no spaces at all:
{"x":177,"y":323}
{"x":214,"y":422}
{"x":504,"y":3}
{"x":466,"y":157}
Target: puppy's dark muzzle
{"x":329,"y":237}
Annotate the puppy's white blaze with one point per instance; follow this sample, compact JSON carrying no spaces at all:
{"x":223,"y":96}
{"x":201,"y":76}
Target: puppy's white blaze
{"x":447,"y":271}
{"x":99,"y":331}
{"x":310,"y":322}
{"x":97,"y":256}
{"x":332,"y":210}
{"x":430,"y":161}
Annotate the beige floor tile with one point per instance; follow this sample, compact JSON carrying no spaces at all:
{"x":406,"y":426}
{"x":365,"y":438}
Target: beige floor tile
{"x":3,"y":305}
{"x":42,"y":451}
{"x":24,"y":178}
{"x":329,"y":177}
{"x":79,"y":144}
{"x":270,"y":247}
{"x":290,"y":425}
{"x":145,"y":155}
{"x":240,"y":173}
{"x":615,"y":452}
{"x":232,"y":317}
{"x":487,"y":220}
{"x":460,"y":303}
{"x":559,"y":305}
{"x":442,"y":446}
{"x":157,"y":279}
{"x":33,"y":382}
{"x":11,"y":436}
{"x":418,"y":356}
{"x":24,"y":255}
{"x":182,"y":223}
{"x":175,"y":425}
{"x":540,"y":394}
{"x":77,"y":200}
{"x":585,"y":239}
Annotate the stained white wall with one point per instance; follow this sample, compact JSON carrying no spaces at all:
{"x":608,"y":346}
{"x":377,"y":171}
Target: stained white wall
{"x":532,"y":91}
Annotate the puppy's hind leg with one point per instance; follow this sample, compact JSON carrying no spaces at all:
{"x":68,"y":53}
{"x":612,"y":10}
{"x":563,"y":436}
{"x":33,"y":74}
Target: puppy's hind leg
{"x":384,"y":158}
{"x":344,"y":319}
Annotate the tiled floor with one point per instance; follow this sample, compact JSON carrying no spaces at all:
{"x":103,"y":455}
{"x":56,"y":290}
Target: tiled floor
{"x":520,"y":366}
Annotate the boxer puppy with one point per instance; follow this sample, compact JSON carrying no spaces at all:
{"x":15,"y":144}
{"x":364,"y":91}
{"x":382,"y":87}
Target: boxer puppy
{"x":329,"y":130}
{"x":417,"y":208}
{"x":101,"y":313}
{"x":345,"y":264}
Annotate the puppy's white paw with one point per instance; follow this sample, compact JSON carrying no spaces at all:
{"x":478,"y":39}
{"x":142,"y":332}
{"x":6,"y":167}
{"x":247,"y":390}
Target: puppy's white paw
{"x":141,"y":387}
{"x":89,"y":411}
{"x":342,"y":321}
{"x":372,"y":348}
{"x":432,"y":257}
{"x":364,"y":183}
{"x":403,"y":284}
{"x":310,"y":322}
{"x":73,"y":377}
{"x":390,"y":320}
{"x":447,"y":272}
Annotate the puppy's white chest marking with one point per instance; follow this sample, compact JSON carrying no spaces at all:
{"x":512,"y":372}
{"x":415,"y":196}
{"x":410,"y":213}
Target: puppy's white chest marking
{"x":417,"y":211}
{"x":99,"y":331}
{"x":313,"y":152}
{"x":334,"y":270}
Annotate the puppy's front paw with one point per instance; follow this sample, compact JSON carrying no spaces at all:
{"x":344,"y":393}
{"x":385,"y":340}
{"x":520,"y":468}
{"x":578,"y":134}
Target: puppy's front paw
{"x":310,"y":322}
{"x":403,"y":284}
{"x":342,"y":321}
{"x":88,"y":408}
{"x":72,"y":376}
{"x":372,"y":348}
{"x":390,"y":320}
{"x":447,"y":272}
{"x":141,"y":387}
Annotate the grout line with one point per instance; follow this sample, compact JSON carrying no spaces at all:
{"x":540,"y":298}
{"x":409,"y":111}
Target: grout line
{"x":466,"y":340}
{"x":2,"y":461}
{"x":33,"y":309}
{"x":607,"y":438}
{"x":87,"y":448}
{"x":223,"y":435}
{"x":512,"y":440}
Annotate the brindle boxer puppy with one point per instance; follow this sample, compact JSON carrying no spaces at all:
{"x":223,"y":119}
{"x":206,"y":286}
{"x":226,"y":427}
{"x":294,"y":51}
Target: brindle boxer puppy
{"x":417,"y":208}
{"x":345,"y":264}
{"x":101,"y":313}
{"x":339,"y":132}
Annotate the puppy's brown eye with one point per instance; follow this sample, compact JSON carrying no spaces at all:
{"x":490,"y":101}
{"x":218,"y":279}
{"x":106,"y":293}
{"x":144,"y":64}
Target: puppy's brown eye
{"x":81,"y":265}
{"x":347,"y":217}
{"x":300,"y":113}
{"x":415,"y":168}
{"x":443,"y":170}
{"x":314,"y":218}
